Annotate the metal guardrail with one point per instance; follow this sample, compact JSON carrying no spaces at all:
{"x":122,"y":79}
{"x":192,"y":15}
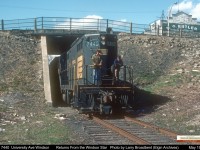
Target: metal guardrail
{"x":53,"y":25}
{"x":56,"y":23}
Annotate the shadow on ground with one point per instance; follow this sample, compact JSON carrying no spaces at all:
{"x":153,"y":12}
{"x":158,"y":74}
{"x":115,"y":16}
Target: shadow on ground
{"x":146,"y":102}
{"x":55,"y":84}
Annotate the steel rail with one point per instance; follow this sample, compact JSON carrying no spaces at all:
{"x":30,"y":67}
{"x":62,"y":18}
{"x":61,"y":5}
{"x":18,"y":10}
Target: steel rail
{"x":156,"y":128}
{"x":161,"y":130}
{"x":120,"y":131}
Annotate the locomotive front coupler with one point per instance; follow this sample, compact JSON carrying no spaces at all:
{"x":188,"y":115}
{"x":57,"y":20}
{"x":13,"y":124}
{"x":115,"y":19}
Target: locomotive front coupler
{"x":106,"y":101}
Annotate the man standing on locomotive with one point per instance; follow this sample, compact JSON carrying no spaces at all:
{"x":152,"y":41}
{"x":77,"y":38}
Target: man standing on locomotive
{"x":117,"y":65}
{"x":97,"y":64}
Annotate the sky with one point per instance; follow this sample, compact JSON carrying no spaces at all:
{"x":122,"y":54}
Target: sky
{"x":136,"y":11}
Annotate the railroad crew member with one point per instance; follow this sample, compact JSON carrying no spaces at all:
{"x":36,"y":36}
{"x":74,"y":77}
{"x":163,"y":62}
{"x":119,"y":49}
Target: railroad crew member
{"x":116,"y":67}
{"x":97,"y":64}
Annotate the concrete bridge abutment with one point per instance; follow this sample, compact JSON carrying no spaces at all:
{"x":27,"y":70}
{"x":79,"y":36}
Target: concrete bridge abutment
{"x":46,"y":75}
{"x":53,"y":45}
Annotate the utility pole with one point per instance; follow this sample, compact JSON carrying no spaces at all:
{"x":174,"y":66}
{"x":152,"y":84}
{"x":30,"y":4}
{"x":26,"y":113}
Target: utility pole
{"x":169,"y":16}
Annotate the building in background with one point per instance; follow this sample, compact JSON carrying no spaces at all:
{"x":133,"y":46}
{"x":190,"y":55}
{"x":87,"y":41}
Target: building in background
{"x":180,"y":24}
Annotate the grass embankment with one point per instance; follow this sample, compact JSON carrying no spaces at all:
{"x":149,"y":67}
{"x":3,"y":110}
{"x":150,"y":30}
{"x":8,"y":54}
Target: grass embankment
{"x":181,"y":112}
{"x":31,"y":123}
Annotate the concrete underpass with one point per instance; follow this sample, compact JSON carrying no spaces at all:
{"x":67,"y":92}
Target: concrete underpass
{"x":53,"y":45}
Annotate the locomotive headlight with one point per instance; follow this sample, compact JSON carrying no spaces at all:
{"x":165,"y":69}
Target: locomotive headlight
{"x":103,"y":37}
{"x":103,"y":42}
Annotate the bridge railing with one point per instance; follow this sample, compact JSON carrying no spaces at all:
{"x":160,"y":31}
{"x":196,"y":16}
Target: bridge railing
{"x":43,"y":23}
{"x":20,"y":24}
{"x":85,"y":25}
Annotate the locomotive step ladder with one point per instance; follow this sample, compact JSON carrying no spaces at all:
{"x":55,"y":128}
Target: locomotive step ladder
{"x":107,"y":80}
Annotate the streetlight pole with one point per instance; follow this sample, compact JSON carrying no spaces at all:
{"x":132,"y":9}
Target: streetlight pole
{"x":168,"y":17}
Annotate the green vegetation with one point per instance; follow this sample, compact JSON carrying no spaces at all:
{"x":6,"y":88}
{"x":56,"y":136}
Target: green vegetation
{"x":165,"y":81}
{"x":41,"y":130}
{"x":3,"y":87}
{"x":145,"y":79}
{"x":175,"y":123}
{"x":32,"y":125}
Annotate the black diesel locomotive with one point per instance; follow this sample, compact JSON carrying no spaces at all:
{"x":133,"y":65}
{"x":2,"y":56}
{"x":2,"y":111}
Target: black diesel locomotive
{"x":76,"y":77}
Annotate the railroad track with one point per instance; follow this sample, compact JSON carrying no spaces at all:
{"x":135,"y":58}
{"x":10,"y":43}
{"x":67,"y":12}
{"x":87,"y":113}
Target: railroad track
{"x":120,"y":130}
{"x":138,"y":132}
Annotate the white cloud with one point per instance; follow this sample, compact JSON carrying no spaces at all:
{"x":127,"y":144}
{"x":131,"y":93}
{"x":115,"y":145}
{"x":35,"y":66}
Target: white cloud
{"x":191,"y":7}
{"x":195,"y":12}
{"x":92,"y":22}
{"x":94,"y":17}
{"x":123,"y":20}
{"x":183,"y":6}
{"x":88,"y":22}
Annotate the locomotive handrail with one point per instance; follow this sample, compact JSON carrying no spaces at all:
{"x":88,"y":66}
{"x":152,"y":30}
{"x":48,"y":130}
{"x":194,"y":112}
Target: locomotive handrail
{"x":127,"y":71}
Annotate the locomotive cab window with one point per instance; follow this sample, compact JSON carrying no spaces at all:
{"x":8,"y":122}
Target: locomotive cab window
{"x":80,"y":46}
